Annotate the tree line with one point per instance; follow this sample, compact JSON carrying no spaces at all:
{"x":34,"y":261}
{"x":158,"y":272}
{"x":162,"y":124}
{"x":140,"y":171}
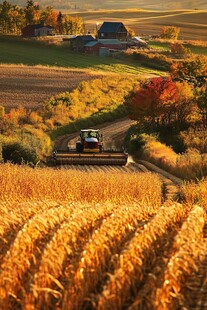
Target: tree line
{"x":14,"y":18}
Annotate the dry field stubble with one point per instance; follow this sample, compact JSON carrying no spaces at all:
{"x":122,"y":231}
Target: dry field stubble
{"x":99,"y":240}
{"x":192,"y":23}
{"x":30,"y":86}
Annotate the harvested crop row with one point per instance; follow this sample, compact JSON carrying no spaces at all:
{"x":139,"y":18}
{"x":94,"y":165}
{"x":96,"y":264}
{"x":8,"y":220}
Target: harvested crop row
{"x":187,"y":249}
{"x":131,"y":267}
{"x":20,"y":255}
{"x":30,"y":86}
{"x":63,"y":247}
{"x":104,"y":243}
{"x":14,"y":215}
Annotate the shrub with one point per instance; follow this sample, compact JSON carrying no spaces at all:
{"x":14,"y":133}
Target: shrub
{"x":18,"y":153}
{"x":170,"y":32}
{"x":146,"y":58}
{"x":195,"y":139}
{"x":179,"y":49}
{"x":1,"y":158}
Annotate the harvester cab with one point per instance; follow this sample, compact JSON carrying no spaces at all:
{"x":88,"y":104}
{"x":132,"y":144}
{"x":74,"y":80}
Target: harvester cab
{"x":90,"y":141}
{"x":89,"y":150}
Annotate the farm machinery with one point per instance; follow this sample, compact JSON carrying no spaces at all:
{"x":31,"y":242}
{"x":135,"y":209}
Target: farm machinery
{"x":89,"y":150}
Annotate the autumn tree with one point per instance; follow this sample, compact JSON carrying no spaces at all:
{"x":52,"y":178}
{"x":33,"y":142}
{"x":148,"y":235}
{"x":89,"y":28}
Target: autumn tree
{"x":152,"y":102}
{"x":179,"y":49}
{"x":49,"y":17}
{"x":192,"y":67}
{"x":170,"y":32}
{"x":184,"y":107}
{"x":162,"y":103}
{"x":73,"y":24}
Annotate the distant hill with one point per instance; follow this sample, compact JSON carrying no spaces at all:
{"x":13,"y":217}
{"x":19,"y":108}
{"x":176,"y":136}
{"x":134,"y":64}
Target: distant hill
{"x":121,"y":4}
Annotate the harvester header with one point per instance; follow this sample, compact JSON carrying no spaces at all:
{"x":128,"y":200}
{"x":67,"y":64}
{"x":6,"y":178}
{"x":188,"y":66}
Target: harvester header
{"x":89,"y":150}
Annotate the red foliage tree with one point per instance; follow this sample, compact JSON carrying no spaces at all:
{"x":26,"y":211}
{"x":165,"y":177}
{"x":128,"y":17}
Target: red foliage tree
{"x":153,"y":102}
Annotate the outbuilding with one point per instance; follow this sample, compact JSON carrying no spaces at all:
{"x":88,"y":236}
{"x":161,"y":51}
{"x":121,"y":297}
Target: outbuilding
{"x":37,"y":30}
{"x":79,"y":42}
{"x":93,"y":47}
{"x":114,"y":44}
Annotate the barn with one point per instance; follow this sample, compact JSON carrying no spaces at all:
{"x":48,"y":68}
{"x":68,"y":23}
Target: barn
{"x":93,"y":47}
{"x":113,"y":30}
{"x":37,"y":30}
{"x":79,"y":42}
{"x":114,"y":44}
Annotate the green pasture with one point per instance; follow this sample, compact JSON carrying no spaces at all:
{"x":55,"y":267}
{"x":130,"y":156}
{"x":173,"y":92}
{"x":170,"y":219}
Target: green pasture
{"x":30,"y":52}
{"x":165,"y":46}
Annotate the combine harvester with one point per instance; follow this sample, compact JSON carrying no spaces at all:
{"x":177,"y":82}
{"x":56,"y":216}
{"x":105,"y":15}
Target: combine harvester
{"x":89,"y":150}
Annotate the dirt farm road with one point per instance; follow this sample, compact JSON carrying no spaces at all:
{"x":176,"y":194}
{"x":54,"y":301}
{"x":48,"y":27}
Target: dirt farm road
{"x":113,"y":134}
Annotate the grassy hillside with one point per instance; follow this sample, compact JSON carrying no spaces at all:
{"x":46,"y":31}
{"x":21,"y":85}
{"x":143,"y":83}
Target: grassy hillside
{"x":20,"y":51}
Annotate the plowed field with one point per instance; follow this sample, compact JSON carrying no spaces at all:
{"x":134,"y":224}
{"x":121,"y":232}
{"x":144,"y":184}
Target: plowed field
{"x":31,"y":86}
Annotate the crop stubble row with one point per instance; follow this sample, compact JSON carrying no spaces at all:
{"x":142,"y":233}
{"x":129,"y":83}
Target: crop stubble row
{"x":105,"y":256}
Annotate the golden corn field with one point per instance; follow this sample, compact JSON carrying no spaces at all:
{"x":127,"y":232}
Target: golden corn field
{"x":98,"y":238}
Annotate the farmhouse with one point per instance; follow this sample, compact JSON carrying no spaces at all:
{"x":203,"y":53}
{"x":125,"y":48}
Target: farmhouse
{"x":37,"y":30}
{"x":113,"y":30}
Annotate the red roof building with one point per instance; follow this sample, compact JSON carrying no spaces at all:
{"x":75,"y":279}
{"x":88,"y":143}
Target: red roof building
{"x":37,"y":30}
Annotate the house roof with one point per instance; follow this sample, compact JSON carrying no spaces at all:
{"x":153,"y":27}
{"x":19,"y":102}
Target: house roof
{"x":138,"y":40}
{"x":92,"y":43}
{"x":111,"y":41}
{"x":110,"y":27}
{"x":86,"y":38}
{"x":37,"y":26}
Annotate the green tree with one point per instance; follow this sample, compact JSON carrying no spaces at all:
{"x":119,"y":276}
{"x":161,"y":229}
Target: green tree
{"x":202,"y":104}
{"x":31,"y":12}
{"x":4,"y":16}
{"x":60,"y":26}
